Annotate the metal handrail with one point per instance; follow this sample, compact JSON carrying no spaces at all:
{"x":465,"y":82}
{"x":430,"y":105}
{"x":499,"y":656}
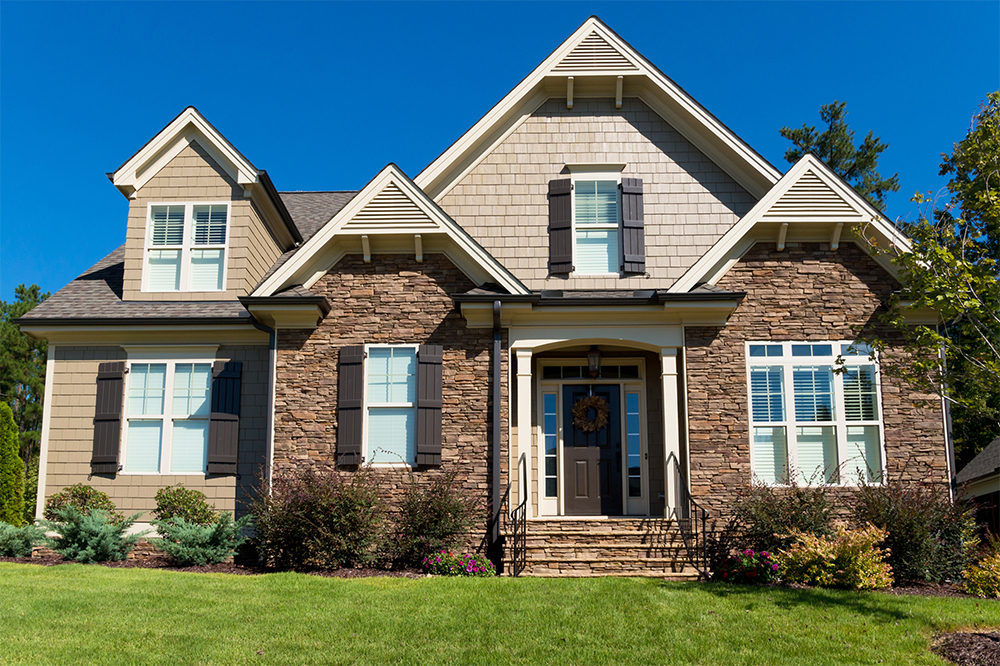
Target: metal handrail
{"x":519,"y":540}
{"x":695,"y":540}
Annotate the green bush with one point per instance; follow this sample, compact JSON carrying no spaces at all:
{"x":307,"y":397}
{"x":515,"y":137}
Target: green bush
{"x":432,"y":517}
{"x":446,"y":563}
{"x":192,"y":544}
{"x":11,"y":470}
{"x":91,"y":537}
{"x":81,"y":497}
{"x":929,"y":537}
{"x":180,"y":502}
{"x":983,"y":577}
{"x":18,"y":541}
{"x":319,"y":518}
{"x":768,"y":515}
{"x":31,"y":490}
{"x":848,"y":559}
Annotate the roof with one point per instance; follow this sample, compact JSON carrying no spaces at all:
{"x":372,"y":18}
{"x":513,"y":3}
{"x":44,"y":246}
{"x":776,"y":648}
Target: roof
{"x":986,"y":463}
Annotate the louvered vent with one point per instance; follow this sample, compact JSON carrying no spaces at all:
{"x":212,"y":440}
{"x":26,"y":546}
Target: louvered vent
{"x":810,"y":197}
{"x":592,"y":54}
{"x":392,"y":208}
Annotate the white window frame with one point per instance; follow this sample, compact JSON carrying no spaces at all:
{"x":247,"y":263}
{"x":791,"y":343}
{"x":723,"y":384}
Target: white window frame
{"x":171,"y":358}
{"x":605,"y":174}
{"x":367,"y":406}
{"x":186,"y":246}
{"x":840,"y":423}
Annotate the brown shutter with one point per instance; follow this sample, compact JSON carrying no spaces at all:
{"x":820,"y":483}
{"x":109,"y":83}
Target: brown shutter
{"x":429,"y":365}
{"x":350,"y":395}
{"x":633,"y":233}
{"x":560,"y":227}
{"x":224,"y":427}
{"x":108,"y":417}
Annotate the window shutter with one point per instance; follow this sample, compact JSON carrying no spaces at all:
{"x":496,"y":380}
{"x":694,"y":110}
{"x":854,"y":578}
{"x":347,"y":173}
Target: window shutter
{"x":429,"y":365}
{"x":560,"y":226}
{"x":633,"y":232}
{"x":350,"y":395}
{"x":224,"y":426}
{"x":108,"y":417}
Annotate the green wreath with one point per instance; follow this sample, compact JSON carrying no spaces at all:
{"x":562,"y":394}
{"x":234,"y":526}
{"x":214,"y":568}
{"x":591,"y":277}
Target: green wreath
{"x":581,"y":409}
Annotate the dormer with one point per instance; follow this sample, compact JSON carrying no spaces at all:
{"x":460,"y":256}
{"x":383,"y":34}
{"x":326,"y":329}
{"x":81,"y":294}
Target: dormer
{"x":204,"y":223}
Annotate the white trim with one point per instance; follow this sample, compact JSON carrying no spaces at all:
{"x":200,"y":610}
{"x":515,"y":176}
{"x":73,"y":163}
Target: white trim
{"x":605,"y":174}
{"x":726,"y":251}
{"x":272,"y":356}
{"x":366,"y":405}
{"x":671,"y":429}
{"x":186,"y":247}
{"x":43,"y":453}
{"x":525,"y":430}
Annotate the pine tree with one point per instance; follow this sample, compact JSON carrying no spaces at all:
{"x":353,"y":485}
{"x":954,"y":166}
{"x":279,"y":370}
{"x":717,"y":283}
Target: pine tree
{"x":11,"y":470}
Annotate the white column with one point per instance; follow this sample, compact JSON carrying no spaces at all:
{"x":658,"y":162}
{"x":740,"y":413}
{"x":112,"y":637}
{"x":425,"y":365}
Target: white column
{"x":523,"y":461}
{"x":671,"y":432}
{"x":43,"y":453}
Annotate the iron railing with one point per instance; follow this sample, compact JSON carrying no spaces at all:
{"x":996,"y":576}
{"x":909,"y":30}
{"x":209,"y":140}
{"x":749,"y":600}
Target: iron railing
{"x":518,"y":540}
{"x":519,"y":536}
{"x":692,"y":523}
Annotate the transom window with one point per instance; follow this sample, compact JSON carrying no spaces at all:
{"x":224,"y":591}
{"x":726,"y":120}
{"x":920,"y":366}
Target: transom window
{"x":808,"y":420}
{"x":186,"y":247}
{"x":595,"y":219}
{"x":167,"y":417}
{"x":391,"y":387}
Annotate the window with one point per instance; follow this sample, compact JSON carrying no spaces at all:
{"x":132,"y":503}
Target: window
{"x":186,"y":247}
{"x":391,"y":388}
{"x":167,"y":409}
{"x":810,"y":419}
{"x":595,"y":218}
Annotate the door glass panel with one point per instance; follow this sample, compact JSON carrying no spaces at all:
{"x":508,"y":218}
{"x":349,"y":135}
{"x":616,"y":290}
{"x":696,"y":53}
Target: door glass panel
{"x":549,"y":429}
{"x":634,"y":444}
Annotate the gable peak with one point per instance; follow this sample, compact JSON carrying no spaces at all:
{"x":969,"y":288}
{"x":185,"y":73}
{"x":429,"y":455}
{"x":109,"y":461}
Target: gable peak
{"x":595,"y":53}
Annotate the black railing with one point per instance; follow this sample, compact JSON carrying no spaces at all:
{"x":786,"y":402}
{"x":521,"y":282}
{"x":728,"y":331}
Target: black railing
{"x":519,"y":536}
{"x":495,"y":538}
{"x":692,"y":523}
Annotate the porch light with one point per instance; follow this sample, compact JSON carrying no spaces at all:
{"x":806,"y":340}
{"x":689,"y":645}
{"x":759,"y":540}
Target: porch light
{"x":594,"y":361}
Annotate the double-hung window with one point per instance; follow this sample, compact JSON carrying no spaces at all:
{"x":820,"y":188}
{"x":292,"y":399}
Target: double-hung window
{"x":391,"y":404}
{"x":186,"y":247}
{"x":167,"y":410}
{"x":595,"y":219}
{"x":810,"y":420}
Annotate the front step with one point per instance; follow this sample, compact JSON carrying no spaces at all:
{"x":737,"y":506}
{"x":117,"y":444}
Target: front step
{"x":575,"y":548}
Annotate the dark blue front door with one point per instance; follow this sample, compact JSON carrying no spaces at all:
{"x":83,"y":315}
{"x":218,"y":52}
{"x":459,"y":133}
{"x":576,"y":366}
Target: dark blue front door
{"x":593,"y":460}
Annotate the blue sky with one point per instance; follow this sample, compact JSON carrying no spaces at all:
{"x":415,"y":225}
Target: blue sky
{"x":323,"y":95}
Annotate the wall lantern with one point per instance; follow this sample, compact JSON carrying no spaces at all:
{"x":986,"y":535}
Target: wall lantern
{"x":594,"y":361}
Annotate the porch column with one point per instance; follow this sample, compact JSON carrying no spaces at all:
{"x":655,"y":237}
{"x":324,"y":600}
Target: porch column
{"x":671,"y":432}
{"x":523,"y":461}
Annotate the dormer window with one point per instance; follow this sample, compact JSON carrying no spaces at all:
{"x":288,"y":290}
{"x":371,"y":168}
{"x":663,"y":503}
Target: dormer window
{"x":186,"y":247}
{"x":595,"y":216}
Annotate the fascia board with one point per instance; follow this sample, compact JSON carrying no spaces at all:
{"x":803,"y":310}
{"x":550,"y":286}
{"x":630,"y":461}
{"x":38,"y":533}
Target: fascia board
{"x":165,"y":332}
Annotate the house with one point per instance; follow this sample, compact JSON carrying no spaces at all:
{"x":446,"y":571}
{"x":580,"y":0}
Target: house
{"x":980,"y":482}
{"x":599,"y":306}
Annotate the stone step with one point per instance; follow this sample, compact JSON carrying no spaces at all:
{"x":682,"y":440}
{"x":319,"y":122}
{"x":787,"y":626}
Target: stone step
{"x":626,"y":567}
{"x":616,"y":525}
{"x":583,"y":539}
{"x":686,"y":576}
{"x":608,"y":554}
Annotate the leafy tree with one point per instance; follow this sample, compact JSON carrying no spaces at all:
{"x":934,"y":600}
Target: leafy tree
{"x":22,"y":373}
{"x":835,"y":147}
{"x":11,"y":470}
{"x":955,"y":269}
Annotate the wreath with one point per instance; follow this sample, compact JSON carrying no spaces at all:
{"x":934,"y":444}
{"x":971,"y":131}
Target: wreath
{"x":581,"y":413}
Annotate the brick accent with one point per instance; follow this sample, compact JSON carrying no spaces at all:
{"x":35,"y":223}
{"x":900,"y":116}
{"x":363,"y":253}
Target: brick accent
{"x":392,"y":300}
{"x":806,"y":292}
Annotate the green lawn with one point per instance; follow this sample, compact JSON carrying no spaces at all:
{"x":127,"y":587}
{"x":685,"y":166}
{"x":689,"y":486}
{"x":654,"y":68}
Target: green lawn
{"x":73,"y":613}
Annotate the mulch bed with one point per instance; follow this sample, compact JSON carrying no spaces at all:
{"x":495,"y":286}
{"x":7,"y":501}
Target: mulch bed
{"x":969,"y":648}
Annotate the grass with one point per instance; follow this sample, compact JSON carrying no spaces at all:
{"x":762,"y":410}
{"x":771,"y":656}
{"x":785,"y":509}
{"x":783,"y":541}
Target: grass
{"x":72,"y":613}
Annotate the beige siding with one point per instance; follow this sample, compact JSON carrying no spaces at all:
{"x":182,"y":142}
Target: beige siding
{"x":194,"y":176}
{"x":71,"y":432}
{"x":689,"y":201}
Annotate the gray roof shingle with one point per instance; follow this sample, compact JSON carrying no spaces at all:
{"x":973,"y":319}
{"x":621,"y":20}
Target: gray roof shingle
{"x":986,"y":463}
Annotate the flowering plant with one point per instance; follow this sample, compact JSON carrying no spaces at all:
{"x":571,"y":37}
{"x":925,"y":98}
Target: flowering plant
{"x":447,"y":563}
{"x":748,"y":566}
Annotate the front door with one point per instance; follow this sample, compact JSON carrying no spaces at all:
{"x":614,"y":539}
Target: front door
{"x":592,"y":450}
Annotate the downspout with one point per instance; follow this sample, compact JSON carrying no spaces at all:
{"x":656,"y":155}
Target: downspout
{"x":497,"y":392}
{"x":272,"y":334}
{"x":949,"y":436}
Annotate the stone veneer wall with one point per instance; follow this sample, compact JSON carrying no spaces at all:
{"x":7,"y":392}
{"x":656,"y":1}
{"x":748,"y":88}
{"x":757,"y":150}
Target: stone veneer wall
{"x":806,"y":292}
{"x":392,"y":300}
{"x":689,"y":202}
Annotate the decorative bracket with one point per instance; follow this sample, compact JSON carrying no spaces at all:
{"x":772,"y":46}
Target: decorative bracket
{"x":782,"y":233}
{"x":618,"y":92}
{"x":569,"y":92}
{"x":366,"y":249}
{"x":835,"y":239}
{"x":418,"y":244}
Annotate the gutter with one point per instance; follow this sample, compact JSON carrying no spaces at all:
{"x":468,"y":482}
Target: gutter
{"x":497,"y":392}
{"x":645,"y":297}
{"x":272,"y":345}
{"x":322,"y":302}
{"x":130,"y":321}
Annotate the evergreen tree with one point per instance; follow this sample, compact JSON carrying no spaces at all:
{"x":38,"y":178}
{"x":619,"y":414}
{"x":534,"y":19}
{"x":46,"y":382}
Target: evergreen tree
{"x":11,"y":470}
{"x":835,"y":147}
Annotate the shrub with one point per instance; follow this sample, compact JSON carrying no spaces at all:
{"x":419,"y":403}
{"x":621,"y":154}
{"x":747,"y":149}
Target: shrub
{"x":748,"y":566}
{"x":81,"y":497}
{"x":983,"y":578}
{"x":847,"y":559}
{"x":180,"y":502}
{"x":11,"y":470}
{"x":929,"y":538}
{"x":446,"y":563}
{"x":192,"y":544}
{"x":319,"y":518}
{"x":769,"y":515}
{"x":432,"y":517}
{"x":91,"y":537}
{"x":18,"y":541}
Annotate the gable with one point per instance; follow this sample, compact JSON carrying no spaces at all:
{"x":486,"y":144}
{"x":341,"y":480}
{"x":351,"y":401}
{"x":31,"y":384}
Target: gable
{"x":594,"y":53}
{"x":390,"y":209}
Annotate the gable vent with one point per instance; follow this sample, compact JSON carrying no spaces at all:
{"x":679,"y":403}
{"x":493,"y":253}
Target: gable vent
{"x":594,"y":53}
{"x":391,"y":208}
{"x":810,"y":197}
